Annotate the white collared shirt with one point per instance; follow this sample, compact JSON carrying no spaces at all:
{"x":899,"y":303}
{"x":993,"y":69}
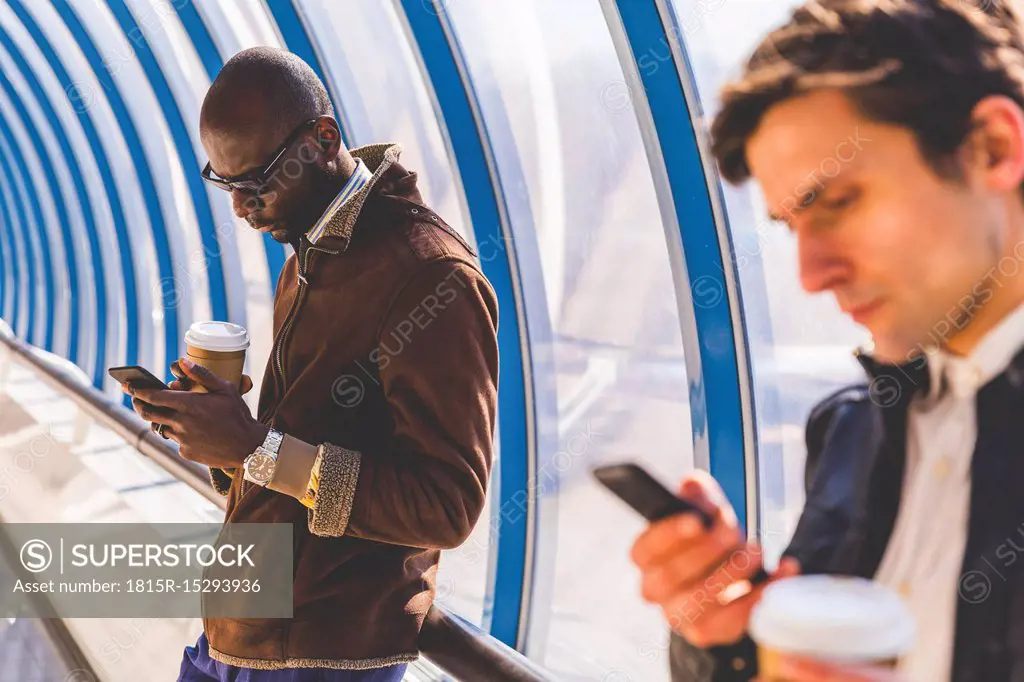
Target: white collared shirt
{"x":924,"y":557}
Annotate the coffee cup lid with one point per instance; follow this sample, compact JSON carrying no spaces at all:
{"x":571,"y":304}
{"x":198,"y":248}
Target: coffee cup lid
{"x":834,"y":618}
{"x":217,"y":336}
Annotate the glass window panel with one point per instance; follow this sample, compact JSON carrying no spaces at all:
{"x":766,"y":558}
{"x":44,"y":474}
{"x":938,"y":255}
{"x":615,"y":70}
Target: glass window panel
{"x":383,"y":94}
{"x":801,"y":345}
{"x":587,"y":205}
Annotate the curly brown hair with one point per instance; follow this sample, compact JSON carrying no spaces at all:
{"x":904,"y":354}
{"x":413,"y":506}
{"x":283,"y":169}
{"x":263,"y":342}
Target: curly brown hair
{"x":919,"y":64}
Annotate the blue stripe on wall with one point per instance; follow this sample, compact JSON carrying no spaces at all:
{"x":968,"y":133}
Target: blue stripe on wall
{"x":107,"y":175}
{"x":202,"y":41}
{"x":294,"y":34}
{"x":75,"y":169}
{"x":191,"y":166}
{"x":168,"y":282}
{"x":12,"y":269}
{"x":719,"y":384}
{"x":62,"y":213}
{"x":5,"y":270}
{"x":485,"y":213}
{"x":40,"y":246}
{"x":20,"y":235}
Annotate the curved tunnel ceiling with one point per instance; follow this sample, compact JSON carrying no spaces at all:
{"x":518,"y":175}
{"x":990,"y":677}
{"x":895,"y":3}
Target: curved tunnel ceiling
{"x":110,"y":242}
{"x":111,"y":245}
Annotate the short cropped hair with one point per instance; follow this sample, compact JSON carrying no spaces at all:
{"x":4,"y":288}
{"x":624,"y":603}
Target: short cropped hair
{"x":284,"y":82}
{"x":919,"y":64}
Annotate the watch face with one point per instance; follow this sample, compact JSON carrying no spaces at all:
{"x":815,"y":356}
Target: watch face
{"x":261,"y":467}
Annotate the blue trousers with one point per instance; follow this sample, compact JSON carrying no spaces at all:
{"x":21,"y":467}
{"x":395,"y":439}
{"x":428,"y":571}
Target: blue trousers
{"x":197,"y":666}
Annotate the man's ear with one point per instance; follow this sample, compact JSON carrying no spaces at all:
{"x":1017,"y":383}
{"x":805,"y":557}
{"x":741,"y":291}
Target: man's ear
{"x":996,"y":143}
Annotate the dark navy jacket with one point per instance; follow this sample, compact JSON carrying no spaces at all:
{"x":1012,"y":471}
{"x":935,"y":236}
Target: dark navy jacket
{"x":856,"y":452}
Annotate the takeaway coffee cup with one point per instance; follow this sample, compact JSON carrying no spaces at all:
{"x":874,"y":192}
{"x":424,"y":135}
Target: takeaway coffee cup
{"x":218,"y":346}
{"x":833,"y":619}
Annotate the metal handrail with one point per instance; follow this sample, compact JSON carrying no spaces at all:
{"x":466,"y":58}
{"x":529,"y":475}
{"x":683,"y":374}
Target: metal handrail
{"x":125,"y":424}
{"x":452,"y":644}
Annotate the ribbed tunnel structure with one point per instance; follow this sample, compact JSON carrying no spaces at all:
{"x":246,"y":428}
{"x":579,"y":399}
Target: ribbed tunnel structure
{"x":647,"y":311}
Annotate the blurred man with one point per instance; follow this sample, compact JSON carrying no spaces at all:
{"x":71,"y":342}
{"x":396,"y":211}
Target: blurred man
{"x":377,"y":411}
{"x":888,"y":136}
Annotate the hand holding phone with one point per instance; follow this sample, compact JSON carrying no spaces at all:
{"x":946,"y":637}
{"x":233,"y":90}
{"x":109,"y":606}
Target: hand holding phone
{"x":139,"y":377}
{"x":641,"y":491}
{"x":705,"y":576}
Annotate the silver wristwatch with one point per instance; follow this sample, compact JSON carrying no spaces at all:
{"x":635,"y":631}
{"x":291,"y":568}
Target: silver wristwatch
{"x":262,"y":463}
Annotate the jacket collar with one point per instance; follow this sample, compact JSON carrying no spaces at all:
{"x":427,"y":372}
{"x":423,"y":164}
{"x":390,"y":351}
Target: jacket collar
{"x":339,"y":220}
{"x":907,"y":378}
{"x":914,"y":376}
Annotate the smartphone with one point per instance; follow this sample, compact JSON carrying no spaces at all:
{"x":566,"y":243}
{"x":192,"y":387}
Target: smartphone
{"x":138,"y":377}
{"x":641,"y":491}
{"x":637,"y":488}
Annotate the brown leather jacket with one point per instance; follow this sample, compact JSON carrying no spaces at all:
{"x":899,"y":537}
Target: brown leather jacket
{"x":386,"y":354}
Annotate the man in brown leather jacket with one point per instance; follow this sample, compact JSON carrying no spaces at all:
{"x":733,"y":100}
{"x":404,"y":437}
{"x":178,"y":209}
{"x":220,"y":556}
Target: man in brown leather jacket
{"x":379,"y":398}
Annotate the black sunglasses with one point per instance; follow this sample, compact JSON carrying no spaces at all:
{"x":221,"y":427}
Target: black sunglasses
{"x":254,"y":181}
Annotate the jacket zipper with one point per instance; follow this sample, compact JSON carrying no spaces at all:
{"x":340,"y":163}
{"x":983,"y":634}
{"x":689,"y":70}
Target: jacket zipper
{"x":277,"y":351}
{"x":289,"y":320}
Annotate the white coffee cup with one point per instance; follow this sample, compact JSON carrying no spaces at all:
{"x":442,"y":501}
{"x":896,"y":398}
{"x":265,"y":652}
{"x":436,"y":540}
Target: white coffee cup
{"x":834,"y":619}
{"x":220,"y":347}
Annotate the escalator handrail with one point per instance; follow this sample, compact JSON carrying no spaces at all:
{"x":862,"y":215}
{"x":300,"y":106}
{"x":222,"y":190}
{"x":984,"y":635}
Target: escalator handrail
{"x":454,"y":645}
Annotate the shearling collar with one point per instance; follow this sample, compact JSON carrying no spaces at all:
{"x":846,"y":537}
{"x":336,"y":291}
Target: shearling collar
{"x":378,"y":159}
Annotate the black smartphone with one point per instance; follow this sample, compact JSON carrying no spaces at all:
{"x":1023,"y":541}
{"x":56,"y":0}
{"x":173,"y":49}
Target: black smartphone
{"x":641,"y":491}
{"x":138,"y":377}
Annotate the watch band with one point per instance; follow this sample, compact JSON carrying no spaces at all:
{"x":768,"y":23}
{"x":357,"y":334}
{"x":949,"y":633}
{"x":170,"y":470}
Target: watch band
{"x":272,"y":443}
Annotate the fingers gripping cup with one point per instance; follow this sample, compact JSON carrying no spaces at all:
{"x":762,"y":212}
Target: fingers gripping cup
{"x":832,"y":619}
{"x":219,"y":347}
